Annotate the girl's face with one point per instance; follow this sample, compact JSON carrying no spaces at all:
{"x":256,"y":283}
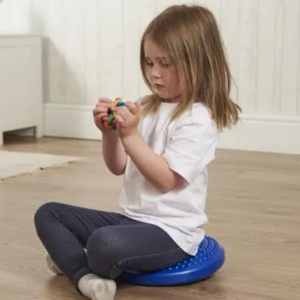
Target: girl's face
{"x":161,"y":72}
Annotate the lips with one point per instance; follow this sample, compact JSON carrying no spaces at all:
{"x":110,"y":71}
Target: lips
{"x":158,"y":86}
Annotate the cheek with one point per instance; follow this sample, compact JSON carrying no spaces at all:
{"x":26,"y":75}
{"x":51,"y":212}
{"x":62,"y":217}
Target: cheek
{"x":174,"y":80}
{"x":148,"y":76}
{"x":176,"y":86}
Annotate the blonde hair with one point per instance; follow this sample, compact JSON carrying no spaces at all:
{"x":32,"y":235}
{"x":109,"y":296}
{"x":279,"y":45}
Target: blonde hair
{"x":190,"y":37}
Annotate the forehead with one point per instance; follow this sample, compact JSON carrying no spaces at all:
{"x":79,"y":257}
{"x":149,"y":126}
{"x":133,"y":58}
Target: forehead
{"x":153,"y":51}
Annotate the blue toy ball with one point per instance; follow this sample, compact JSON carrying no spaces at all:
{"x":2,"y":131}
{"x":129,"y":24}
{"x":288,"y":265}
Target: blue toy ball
{"x":209,"y":258}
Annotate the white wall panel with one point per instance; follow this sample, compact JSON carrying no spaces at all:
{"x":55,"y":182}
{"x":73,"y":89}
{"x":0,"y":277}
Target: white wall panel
{"x":74,"y":51}
{"x":290,"y":57}
{"x":39,"y":18}
{"x":248,"y":55}
{"x":163,"y":4}
{"x":215,"y":6}
{"x":230,"y":31}
{"x":111,"y":42}
{"x":298,"y":70}
{"x":132,"y":38}
{"x":92,"y":50}
{"x":265,"y":54}
{"x":148,"y":10}
{"x":55,"y":18}
{"x":278,"y":47}
{"x":15,"y":16}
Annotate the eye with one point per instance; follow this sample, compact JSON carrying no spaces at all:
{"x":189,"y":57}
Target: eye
{"x":149,"y":64}
{"x":165,"y":65}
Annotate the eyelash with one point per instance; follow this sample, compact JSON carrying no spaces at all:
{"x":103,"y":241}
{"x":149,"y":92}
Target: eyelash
{"x":164,"y":65}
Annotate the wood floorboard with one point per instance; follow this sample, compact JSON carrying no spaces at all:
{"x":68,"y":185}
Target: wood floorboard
{"x":253,"y":206}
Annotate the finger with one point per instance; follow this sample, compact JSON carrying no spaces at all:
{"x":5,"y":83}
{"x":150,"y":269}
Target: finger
{"x":121,"y":114}
{"x":138,"y":106}
{"x":99,"y":109}
{"x":121,"y":110}
{"x":119,"y":120}
{"x":105,"y":101}
{"x":132,"y":108}
{"x":100,"y":117}
{"x":103,"y":104}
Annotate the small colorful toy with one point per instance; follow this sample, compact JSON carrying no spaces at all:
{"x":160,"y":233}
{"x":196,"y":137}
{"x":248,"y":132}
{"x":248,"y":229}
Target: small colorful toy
{"x":109,"y":121}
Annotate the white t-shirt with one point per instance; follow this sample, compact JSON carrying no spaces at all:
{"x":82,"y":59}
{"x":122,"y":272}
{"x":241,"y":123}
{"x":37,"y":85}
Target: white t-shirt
{"x":188,"y":145}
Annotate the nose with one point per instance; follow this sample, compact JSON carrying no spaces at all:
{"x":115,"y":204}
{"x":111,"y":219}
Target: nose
{"x":155,"y":72}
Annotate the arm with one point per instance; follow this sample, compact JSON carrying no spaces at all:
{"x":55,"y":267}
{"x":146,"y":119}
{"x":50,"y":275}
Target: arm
{"x":113,"y":153}
{"x":154,"y":167}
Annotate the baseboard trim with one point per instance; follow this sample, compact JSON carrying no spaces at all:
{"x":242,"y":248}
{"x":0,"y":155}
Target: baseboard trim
{"x":70,"y":121}
{"x":265,"y":134}
{"x":254,"y":133}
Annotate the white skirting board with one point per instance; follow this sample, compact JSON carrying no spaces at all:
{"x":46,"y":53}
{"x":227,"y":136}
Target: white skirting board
{"x":70,"y":121}
{"x":265,"y":134}
{"x":254,"y":133}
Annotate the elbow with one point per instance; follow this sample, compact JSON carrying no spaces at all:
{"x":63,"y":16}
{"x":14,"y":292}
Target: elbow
{"x":165,"y":186}
{"x":164,"y":190}
{"x":118,"y":172}
{"x":116,"y":169}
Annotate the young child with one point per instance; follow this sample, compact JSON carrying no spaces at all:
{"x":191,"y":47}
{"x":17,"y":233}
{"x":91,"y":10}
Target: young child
{"x":162,"y":145}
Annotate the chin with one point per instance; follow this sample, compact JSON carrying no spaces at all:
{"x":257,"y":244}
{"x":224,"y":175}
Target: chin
{"x":163,"y":96}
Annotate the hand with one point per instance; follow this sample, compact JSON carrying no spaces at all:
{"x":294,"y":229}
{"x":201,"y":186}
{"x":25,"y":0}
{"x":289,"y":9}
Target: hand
{"x":127,"y":119}
{"x":100,"y":111}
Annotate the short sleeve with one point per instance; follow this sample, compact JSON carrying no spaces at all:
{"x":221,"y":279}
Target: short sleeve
{"x":191,"y":148}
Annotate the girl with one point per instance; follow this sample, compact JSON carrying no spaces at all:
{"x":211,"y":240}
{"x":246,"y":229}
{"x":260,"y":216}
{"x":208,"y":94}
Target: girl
{"x":162,"y":145}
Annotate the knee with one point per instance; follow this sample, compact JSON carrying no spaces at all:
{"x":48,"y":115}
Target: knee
{"x":103,"y":251}
{"x":44,"y":212}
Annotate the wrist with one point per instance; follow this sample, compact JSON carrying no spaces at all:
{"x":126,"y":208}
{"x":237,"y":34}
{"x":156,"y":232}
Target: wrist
{"x":109,"y":134}
{"x":128,"y":140}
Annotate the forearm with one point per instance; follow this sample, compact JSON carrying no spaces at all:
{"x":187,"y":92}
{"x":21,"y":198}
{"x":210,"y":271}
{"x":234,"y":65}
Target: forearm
{"x":153,"y":167}
{"x":113,"y":153}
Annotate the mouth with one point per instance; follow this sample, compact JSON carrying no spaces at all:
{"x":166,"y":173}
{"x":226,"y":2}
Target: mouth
{"x":158,"y":86}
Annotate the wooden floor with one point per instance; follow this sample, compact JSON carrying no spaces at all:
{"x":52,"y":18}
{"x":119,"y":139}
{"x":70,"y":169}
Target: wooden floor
{"x":253,"y":205}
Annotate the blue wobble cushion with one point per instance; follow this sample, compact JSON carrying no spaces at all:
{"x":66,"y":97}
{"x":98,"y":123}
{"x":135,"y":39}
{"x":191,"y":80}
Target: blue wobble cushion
{"x":209,"y":258}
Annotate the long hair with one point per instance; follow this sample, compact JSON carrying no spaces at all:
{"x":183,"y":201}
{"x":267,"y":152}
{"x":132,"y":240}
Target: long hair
{"x":191,"y":38}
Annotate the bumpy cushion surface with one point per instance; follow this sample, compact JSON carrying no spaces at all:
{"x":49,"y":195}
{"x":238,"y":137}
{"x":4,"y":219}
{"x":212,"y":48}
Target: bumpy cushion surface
{"x":209,"y":258}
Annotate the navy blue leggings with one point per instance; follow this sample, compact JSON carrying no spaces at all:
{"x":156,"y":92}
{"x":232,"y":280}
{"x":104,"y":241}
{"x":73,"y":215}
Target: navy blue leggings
{"x":112,"y":242}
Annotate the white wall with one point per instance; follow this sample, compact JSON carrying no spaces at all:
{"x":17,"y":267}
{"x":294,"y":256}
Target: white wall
{"x":92,"y":50}
{"x":15,"y":16}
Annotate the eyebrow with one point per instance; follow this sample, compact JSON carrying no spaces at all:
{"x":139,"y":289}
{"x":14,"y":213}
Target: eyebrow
{"x":158,"y":57}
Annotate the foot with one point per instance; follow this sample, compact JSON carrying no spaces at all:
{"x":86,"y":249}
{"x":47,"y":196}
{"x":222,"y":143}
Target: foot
{"x":97,"y":288}
{"x":52,"y":266}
